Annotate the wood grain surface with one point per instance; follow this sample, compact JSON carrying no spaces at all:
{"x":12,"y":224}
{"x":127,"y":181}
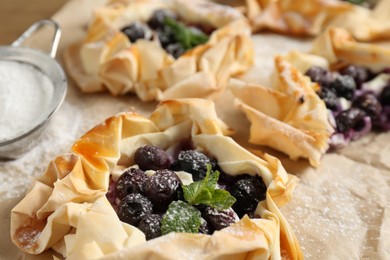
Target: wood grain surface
{"x":17,"y":15}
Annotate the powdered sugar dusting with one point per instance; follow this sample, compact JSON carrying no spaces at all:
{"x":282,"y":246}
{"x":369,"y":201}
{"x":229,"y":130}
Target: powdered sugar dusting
{"x":29,"y":239}
{"x":336,"y":212}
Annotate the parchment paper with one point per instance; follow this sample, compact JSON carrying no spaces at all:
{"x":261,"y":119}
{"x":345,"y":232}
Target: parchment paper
{"x":339,"y":211}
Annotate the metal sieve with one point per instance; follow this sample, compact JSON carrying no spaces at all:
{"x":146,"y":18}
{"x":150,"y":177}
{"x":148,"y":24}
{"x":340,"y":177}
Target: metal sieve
{"x":16,"y":146}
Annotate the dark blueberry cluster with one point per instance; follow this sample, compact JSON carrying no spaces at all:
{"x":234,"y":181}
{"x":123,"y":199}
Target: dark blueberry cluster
{"x":142,"y":199}
{"x":158,"y":18}
{"x":248,"y":191}
{"x":131,"y":181}
{"x":355,"y":106}
{"x":193,"y":162}
{"x":133,"y":208}
{"x":151,"y":157}
{"x":219,"y":219}
{"x":151,"y":226}
{"x":359,"y":74}
{"x":352,"y":118}
{"x":134,"y":31}
{"x":369,"y":104}
{"x":168,"y":38}
{"x":384,"y":97}
{"x":162,"y":188}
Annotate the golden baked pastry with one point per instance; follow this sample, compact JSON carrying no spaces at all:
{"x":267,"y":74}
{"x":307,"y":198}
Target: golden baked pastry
{"x":338,"y":47}
{"x":290,"y":117}
{"x":107,"y":60}
{"x":366,"y":24}
{"x":328,"y":97}
{"x":66,"y":209}
{"x":306,"y":17}
{"x":311,"y":17}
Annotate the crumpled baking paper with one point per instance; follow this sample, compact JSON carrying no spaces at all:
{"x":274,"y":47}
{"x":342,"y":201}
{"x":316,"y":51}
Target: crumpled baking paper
{"x":340,"y":210}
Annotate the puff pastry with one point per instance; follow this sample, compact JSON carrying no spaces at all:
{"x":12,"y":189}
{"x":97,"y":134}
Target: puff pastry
{"x":311,"y":17}
{"x":106,"y":60}
{"x":66,"y":208}
{"x":291,"y":117}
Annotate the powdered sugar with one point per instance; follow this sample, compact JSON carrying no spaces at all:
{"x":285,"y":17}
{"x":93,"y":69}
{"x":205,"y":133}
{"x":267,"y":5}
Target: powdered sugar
{"x":337,"y":206}
{"x":77,"y":115}
{"x":25,"y":93}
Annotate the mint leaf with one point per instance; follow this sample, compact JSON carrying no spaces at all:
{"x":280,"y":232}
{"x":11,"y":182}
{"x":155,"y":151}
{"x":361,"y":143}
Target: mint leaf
{"x":181,"y":217}
{"x":206,"y":192}
{"x":185,"y":36}
{"x":356,"y":2}
{"x":212,"y":178}
{"x":221,"y":199}
{"x":201,"y":190}
{"x":203,"y":195}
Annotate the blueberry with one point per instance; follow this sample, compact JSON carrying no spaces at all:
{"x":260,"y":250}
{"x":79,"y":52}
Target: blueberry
{"x":386,"y":70}
{"x":134,"y":31}
{"x":384,"y":96}
{"x":204,"y":227}
{"x":133,"y":208}
{"x":219,"y":219}
{"x":175,"y":49}
{"x":352,"y":118}
{"x":225,"y":178}
{"x":166,"y":36}
{"x":248,"y":192}
{"x":193,"y":162}
{"x":344,"y":86}
{"x":158,"y":17}
{"x":329,"y":97}
{"x":369,"y":104}
{"x":151,"y":157}
{"x":112,"y":193}
{"x":320,"y":75}
{"x":162,"y":188}
{"x":131,"y":181}
{"x":360,"y":74}
{"x":151,"y":226}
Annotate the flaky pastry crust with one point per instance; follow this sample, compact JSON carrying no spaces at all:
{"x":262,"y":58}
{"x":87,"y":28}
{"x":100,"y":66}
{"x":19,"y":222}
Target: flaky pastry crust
{"x":297,"y":17}
{"x":366,"y":24}
{"x":290,"y":116}
{"x":339,"y":47}
{"x":66,"y":208}
{"x":106,"y":60}
{"x":311,"y":17}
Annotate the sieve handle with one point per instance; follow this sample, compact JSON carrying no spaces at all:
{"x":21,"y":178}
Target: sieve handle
{"x":34,"y":27}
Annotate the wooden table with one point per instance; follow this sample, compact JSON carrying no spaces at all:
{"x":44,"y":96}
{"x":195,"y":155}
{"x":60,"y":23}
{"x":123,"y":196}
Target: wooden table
{"x":17,"y":15}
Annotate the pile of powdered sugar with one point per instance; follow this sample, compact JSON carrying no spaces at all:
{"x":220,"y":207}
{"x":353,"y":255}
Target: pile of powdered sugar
{"x":25,"y":95}
{"x":77,"y":115}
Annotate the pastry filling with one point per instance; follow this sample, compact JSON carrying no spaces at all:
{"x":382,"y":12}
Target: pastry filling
{"x":181,"y":191}
{"x":174,"y":36}
{"x":359,"y":100}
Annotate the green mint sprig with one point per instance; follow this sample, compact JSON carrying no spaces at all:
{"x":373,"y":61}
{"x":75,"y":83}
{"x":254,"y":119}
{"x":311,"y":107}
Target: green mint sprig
{"x":356,"y":2}
{"x":184,"y":217}
{"x":184,"y":35}
{"x":206,"y":192}
{"x":181,"y":217}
